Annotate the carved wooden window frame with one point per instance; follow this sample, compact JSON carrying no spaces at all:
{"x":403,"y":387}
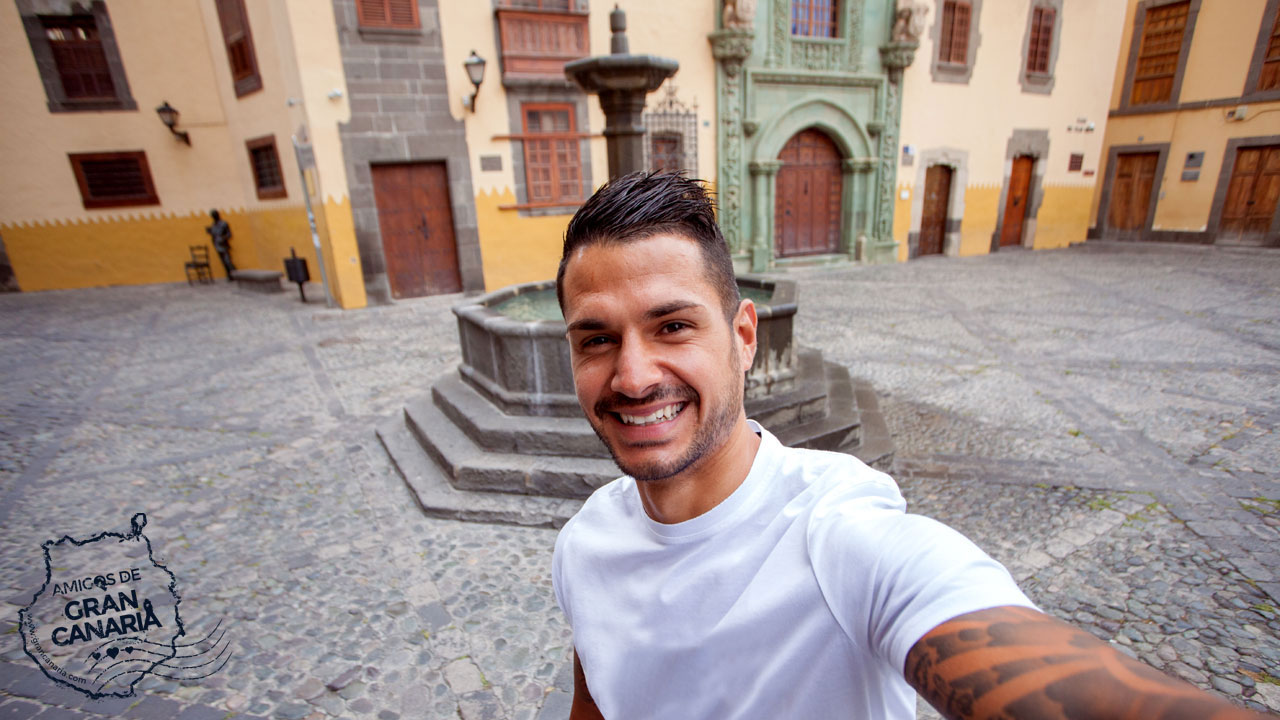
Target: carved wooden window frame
{"x":86,"y":183}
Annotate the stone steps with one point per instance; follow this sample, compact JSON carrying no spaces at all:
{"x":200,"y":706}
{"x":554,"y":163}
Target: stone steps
{"x":473,"y":467}
{"x":430,"y":488}
{"x":497,"y":431}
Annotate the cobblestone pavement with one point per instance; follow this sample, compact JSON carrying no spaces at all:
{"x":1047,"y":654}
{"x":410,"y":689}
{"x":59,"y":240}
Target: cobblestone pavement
{"x":1101,"y":419}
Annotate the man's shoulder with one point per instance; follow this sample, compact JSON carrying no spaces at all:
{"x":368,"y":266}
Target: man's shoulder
{"x":604,"y":508}
{"x":827,"y":471}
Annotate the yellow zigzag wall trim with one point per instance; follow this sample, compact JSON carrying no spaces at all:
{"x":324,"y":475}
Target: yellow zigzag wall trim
{"x":133,"y":248}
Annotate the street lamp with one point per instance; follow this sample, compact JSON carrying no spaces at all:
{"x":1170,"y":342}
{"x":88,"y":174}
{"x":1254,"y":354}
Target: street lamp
{"x":475,"y":73}
{"x":169,"y":116}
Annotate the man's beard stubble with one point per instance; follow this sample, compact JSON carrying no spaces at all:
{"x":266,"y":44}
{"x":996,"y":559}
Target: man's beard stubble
{"x":707,"y":436}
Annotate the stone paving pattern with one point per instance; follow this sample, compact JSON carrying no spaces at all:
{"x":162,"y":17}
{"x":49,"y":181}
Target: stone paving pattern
{"x":1101,"y":419}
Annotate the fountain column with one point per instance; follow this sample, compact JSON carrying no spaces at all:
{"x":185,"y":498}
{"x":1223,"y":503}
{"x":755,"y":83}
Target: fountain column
{"x":621,"y":80}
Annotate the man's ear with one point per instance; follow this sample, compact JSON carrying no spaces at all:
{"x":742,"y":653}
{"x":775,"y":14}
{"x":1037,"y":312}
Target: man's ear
{"x":744,"y":332}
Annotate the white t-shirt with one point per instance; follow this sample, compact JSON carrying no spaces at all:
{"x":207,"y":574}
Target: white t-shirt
{"x":798,"y":596}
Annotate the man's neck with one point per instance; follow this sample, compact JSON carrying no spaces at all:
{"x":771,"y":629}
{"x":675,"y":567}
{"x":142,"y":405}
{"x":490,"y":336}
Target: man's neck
{"x":707,"y":484}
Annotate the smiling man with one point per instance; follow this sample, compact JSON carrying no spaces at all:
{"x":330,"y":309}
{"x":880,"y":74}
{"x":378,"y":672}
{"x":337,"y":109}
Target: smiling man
{"x":726,"y":576}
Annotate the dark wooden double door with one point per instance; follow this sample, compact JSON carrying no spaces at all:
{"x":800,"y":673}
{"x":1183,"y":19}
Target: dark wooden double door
{"x":1252,"y":195}
{"x":1131,"y":190}
{"x":807,"y":200}
{"x":416,"y":221}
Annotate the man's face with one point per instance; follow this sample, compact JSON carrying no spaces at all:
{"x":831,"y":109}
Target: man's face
{"x":658,"y":368}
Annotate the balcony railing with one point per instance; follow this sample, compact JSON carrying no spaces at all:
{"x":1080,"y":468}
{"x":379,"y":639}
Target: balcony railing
{"x":537,"y":43}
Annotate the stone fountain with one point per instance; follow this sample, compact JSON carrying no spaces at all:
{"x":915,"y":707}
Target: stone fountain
{"x":503,"y":438}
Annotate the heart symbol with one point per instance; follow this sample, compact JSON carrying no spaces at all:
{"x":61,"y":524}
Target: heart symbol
{"x":129,"y":650}
{"x":113,"y":652}
{"x":95,"y":656}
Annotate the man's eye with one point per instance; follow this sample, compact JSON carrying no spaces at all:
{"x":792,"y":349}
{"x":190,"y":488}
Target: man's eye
{"x":674,"y":327}
{"x":594,"y":341}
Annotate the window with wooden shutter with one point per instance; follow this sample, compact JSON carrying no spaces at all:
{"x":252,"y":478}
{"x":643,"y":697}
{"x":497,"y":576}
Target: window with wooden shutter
{"x":1269,"y":79}
{"x":814,"y":18}
{"x":118,"y":179}
{"x":397,"y":14}
{"x":265,"y":161}
{"x":1158,"y":55}
{"x":239,"y":41}
{"x":1075,"y":162}
{"x":79,"y":57}
{"x":552,"y":157}
{"x":954,"y":43}
{"x":539,"y":36}
{"x":1042,"y":19}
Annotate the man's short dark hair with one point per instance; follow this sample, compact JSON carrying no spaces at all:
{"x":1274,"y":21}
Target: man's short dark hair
{"x":640,"y":205}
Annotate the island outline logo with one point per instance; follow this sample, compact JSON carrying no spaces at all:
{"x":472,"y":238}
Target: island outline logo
{"x":108,"y":616}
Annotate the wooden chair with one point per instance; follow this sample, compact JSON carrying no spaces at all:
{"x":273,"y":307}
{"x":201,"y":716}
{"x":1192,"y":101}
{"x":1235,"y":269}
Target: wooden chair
{"x":198,"y":265}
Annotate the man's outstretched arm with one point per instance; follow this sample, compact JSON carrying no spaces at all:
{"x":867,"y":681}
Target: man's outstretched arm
{"x":583,"y":708}
{"x":1015,"y":662}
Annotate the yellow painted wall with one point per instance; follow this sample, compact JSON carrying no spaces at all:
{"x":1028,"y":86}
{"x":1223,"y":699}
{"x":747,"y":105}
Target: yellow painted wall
{"x":146,"y":248}
{"x":516,"y":249}
{"x":902,"y":219}
{"x":1063,"y":218}
{"x":529,"y":247}
{"x":981,"y":208}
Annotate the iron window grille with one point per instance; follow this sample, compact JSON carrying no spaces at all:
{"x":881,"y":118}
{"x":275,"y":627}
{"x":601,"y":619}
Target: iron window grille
{"x":671,"y":135}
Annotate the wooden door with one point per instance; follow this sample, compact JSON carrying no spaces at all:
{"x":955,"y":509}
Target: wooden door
{"x":416,"y":221}
{"x":1016,"y":201}
{"x":1131,"y":190}
{"x":933,"y":223}
{"x":1252,"y":193}
{"x":809,"y":188}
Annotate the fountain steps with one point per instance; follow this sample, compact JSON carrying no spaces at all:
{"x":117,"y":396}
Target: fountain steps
{"x":465,"y":459}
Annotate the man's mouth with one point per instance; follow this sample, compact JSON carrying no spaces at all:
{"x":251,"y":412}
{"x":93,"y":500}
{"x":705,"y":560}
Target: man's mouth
{"x":662,"y":414}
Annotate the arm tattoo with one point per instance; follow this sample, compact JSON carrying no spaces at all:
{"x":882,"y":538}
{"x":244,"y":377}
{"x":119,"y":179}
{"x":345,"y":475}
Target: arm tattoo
{"x":1013,"y":662}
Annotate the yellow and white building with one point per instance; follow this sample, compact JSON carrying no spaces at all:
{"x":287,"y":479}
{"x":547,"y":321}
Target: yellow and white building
{"x":96,"y":190}
{"x":1004,"y":112}
{"x":1192,"y":148}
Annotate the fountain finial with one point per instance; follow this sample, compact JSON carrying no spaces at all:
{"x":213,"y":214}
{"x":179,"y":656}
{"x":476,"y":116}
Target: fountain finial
{"x":618,"y":45}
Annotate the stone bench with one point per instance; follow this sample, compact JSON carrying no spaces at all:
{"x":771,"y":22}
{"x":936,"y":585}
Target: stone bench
{"x":263,"y":281}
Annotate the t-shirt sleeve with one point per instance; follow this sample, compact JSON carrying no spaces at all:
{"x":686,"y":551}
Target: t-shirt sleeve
{"x":557,"y":571}
{"x":890,"y":577}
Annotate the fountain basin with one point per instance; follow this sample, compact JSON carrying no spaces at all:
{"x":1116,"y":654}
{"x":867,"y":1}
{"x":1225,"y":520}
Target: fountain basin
{"x":514,"y":350}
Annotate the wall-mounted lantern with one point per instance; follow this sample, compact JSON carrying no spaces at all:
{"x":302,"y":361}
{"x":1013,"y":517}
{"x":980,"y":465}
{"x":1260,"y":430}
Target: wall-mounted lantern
{"x":475,"y":73}
{"x":169,"y":116}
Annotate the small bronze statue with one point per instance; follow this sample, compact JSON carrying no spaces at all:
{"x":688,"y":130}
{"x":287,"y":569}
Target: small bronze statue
{"x":220,"y":231}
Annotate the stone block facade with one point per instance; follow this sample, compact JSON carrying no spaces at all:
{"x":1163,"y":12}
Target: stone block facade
{"x":400,"y":114}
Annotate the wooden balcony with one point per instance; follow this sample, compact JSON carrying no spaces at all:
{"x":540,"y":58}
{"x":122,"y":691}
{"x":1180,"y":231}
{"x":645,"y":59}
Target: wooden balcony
{"x":537,"y":43}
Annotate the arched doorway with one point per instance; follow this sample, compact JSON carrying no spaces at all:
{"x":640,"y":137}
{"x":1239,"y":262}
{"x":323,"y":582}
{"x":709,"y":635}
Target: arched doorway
{"x":810,"y":186}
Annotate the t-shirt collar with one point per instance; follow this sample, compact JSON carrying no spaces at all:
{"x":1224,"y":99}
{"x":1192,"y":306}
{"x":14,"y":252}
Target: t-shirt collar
{"x":728,"y":510}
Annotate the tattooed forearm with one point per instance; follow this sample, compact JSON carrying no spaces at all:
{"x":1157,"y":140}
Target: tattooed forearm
{"x":1014,"y":662}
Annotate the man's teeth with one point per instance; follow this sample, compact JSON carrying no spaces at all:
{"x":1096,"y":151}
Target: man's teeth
{"x":658,"y":415}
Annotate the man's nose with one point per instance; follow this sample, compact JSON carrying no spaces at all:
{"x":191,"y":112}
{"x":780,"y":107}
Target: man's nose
{"x":636,"y":373}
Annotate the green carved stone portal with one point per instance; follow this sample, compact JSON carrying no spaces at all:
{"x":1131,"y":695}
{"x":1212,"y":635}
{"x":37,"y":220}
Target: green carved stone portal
{"x":772,"y":85}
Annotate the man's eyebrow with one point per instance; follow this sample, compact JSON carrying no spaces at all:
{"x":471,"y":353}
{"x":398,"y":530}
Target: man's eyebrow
{"x":586,"y":324}
{"x":675,"y":306}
